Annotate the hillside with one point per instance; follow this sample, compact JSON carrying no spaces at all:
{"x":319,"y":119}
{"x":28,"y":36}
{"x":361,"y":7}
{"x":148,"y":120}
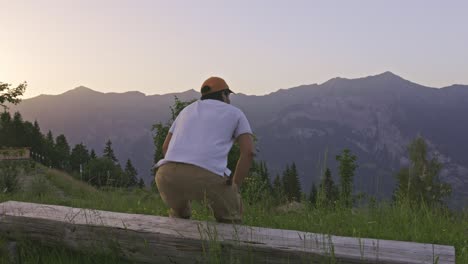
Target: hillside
{"x":395,"y":222}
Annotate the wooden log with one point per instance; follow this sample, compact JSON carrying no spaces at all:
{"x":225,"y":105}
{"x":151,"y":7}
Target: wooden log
{"x":154,"y":239}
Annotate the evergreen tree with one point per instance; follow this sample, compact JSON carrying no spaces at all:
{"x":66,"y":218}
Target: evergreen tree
{"x":328,"y":192}
{"x":79,"y":157}
{"x":62,"y":150}
{"x":131,"y":173}
{"x":313,"y":194}
{"x":346,"y":168}
{"x":6,"y":129}
{"x":141,"y":184}
{"x":265,"y":175}
{"x":294,"y":184}
{"x":278,"y":191}
{"x":420,"y":181}
{"x":50,"y":157}
{"x":291,"y":183}
{"x":92,"y":155}
{"x":27,"y":139}
{"x":109,"y":152}
{"x":104,"y":172}
{"x":37,"y":139}
{"x":285,"y":182}
{"x":19,"y":134}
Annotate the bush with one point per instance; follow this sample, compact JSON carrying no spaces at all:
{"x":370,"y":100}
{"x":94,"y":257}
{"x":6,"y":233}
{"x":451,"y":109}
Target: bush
{"x":9,"y":172}
{"x":39,"y":186}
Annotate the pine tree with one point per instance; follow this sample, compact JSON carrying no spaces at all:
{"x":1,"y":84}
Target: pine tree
{"x":19,"y":139}
{"x":6,"y":130}
{"x":79,"y":157}
{"x":131,"y":173}
{"x":291,"y":183}
{"x":37,"y":139}
{"x":265,"y":175}
{"x":313,"y":194}
{"x":141,"y":184}
{"x":109,"y":152}
{"x":285,"y":182}
{"x":50,"y":156}
{"x":62,"y":150}
{"x":103,"y":172}
{"x":328,"y":192}
{"x":294,"y":184}
{"x":278,"y":191}
{"x":346,"y":168}
{"x":92,"y":155}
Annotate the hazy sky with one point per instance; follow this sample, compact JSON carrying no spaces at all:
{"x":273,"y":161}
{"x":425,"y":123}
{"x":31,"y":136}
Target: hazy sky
{"x":257,"y":46}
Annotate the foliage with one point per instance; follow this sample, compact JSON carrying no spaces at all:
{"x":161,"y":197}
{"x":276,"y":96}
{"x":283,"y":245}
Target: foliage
{"x":50,"y":154}
{"x":62,"y":153}
{"x":383,"y":221}
{"x":313,"y":194}
{"x":328,"y":192}
{"x":420,"y":182}
{"x":291,"y":184}
{"x":104,"y":172}
{"x":256,"y":185}
{"x":109,"y":152}
{"x":131,"y":173}
{"x":279,"y":195}
{"x":11,"y":95}
{"x":92,"y":154}
{"x":141,"y":183}
{"x":55,"y":153}
{"x":346,"y":169}
{"x":79,"y":157}
{"x":9,"y":173}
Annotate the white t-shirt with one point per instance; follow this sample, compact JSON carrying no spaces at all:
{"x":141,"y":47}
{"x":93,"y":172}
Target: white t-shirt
{"x":203,"y":134}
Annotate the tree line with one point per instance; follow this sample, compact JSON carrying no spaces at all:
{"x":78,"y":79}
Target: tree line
{"x":56,"y":152}
{"x":417,"y":183}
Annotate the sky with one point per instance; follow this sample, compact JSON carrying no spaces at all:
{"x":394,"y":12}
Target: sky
{"x":257,"y":46}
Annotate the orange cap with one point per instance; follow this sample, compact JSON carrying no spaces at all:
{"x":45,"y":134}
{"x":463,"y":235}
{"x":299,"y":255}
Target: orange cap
{"x":214,"y":84}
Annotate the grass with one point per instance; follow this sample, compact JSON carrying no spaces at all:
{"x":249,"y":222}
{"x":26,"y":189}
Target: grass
{"x":384,"y":221}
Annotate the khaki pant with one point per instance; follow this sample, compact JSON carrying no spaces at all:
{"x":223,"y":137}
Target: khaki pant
{"x":180,"y":183}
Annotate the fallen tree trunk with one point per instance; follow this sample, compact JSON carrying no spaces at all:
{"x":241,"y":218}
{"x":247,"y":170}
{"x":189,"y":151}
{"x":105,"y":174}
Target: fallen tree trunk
{"x":154,"y":239}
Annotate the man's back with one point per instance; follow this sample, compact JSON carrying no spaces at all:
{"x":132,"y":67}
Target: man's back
{"x":203,"y":134}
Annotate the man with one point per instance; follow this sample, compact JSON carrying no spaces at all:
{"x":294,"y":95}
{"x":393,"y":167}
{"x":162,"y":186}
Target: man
{"x":195,"y":155}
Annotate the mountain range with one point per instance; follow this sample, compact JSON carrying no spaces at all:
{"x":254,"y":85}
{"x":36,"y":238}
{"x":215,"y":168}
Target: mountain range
{"x":376,"y":117}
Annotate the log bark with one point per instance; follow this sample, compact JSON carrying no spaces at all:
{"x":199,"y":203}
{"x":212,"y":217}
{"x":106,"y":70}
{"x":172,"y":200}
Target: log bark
{"x":154,"y":239}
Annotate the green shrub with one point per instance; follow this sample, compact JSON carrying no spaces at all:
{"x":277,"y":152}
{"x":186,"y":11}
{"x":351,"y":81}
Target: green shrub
{"x":39,"y":186}
{"x":9,"y":172}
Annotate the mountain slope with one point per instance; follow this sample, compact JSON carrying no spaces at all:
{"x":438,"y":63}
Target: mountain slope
{"x":376,"y":117}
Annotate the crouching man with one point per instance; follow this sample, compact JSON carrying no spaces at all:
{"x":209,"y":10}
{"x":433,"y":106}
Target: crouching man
{"x":195,"y":155}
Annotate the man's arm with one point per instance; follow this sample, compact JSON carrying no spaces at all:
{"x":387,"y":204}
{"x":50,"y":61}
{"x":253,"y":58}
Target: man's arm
{"x":166,"y":143}
{"x":247,"y":153}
